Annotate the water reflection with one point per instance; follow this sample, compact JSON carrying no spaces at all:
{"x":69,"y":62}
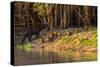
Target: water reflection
{"x":41,"y":56}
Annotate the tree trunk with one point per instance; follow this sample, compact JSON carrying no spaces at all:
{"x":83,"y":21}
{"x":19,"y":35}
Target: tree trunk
{"x":61,"y":17}
{"x":85,"y":17}
{"x":68,"y":16}
{"x":65,"y":16}
{"x":78,"y":19}
{"x":44,"y":19}
{"x":55,"y":20}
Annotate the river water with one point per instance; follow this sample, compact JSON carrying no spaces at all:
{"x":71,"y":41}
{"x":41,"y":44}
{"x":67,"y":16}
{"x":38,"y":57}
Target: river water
{"x":41,"y":56}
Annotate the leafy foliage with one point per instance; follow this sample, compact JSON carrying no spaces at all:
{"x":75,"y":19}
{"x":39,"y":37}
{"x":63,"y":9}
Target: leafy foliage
{"x":40,"y":8}
{"x":83,"y":38}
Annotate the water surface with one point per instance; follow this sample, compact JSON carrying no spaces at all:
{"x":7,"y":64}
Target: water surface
{"x":41,"y":56}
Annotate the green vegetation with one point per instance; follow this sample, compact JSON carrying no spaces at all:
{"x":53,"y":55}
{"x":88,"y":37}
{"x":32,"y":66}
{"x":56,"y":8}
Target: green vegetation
{"x":85,"y":40}
{"x":40,"y":8}
{"x":62,"y":17}
{"x":50,"y":33}
{"x":26,"y":47}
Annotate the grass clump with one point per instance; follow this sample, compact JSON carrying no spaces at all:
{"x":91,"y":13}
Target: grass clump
{"x":27,"y":46}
